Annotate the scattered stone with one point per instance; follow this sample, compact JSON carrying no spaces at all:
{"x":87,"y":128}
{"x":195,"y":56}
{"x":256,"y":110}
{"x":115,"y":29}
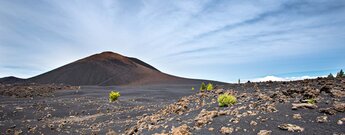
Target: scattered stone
{"x":181,"y":130}
{"x":31,"y":90}
{"x":268,"y":107}
{"x":264,"y":97}
{"x":264,"y":119}
{"x":234,"y":120}
{"x":340,"y":122}
{"x":310,"y":92}
{"x":8,"y":131}
{"x":226,"y":130}
{"x":297,"y":116}
{"x":295,"y":106}
{"x":32,"y":129}
{"x":322,"y":119}
{"x":111,"y":132}
{"x":210,"y":129}
{"x":205,"y":117}
{"x":18,"y":132}
{"x":219,"y":91}
{"x":19,"y":108}
{"x":325,"y":89}
{"x":329,"y":111}
{"x":51,"y":126}
{"x":253,"y":123}
{"x":13,"y":126}
{"x":291,"y":127}
{"x":338,"y":93}
{"x":220,"y":113}
{"x":339,"y":106}
{"x":264,"y":132}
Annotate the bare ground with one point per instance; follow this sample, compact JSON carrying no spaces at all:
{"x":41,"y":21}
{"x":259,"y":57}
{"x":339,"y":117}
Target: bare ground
{"x":176,"y":109}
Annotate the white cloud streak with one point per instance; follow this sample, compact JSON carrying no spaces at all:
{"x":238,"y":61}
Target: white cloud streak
{"x":276,"y":78}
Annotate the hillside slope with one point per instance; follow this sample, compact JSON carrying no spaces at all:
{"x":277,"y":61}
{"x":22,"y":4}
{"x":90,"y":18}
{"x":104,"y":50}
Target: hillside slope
{"x":108,"y":68}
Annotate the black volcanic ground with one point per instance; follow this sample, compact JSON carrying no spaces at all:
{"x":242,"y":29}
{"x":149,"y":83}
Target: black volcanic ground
{"x":176,"y":109}
{"x":153,"y":102}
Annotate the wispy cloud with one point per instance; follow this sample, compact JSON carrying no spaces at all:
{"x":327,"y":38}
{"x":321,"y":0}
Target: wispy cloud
{"x":275,"y":78}
{"x":238,"y":38}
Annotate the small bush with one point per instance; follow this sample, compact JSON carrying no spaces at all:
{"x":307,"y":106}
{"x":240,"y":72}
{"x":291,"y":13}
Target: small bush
{"x":226,"y":100}
{"x":209,"y":87}
{"x":311,"y":101}
{"x":203,"y":86}
{"x":113,"y":96}
{"x":193,"y":88}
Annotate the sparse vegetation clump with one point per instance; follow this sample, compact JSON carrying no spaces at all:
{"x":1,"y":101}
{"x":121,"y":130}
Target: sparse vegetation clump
{"x":311,"y":101}
{"x":203,"y":87}
{"x":209,"y":87}
{"x":192,"y":88}
{"x":113,"y":96}
{"x":226,"y":100}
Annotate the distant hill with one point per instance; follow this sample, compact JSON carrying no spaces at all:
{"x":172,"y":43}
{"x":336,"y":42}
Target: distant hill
{"x":108,"y":68}
{"x":10,"y":79}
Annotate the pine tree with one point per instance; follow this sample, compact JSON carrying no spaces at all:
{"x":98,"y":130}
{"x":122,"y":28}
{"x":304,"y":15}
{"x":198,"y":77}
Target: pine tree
{"x":340,"y":74}
{"x":330,"y":76}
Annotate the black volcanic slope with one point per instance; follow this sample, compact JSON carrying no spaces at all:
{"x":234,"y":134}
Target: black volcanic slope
{"x":108,"y":68}
{"x":10,"y":79}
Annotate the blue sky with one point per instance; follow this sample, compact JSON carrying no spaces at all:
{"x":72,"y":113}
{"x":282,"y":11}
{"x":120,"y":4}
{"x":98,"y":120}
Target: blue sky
{"x":211,"y":39}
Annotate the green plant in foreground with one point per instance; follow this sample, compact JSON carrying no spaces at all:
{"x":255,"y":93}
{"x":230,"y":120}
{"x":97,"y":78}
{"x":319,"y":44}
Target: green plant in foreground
{"x":113,"y":96}
{"x":311,"y":101}
{"x":226,"y":100}
{"x":209,"y":87}
{"x":203,"y":86}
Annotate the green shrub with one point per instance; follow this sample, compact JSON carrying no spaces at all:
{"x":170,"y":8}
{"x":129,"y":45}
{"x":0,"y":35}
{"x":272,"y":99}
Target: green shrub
{"x":226,"y":100}
{"x":193,"y":88}
{"x":113,"y":96}
{"x":209,"y":87}
{"x":203,"y":86}
{"x":311,"y":101}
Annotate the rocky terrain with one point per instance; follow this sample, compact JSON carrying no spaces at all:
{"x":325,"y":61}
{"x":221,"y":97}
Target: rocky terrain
{"x":261,"y":108}
{"x":22,"y":90}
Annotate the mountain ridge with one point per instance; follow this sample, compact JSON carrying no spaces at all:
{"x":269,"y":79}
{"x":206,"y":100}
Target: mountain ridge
{"x":108,"y":68}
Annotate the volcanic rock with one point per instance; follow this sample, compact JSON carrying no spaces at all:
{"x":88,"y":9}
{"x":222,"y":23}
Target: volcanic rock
{"x":303,"y":105}
{"x":291,"y":127}
{"x":226,"y":130}
{"x":297,"y":116}
{"x":339,"y":106}
{"x":181,"y":130}
{"x":264,"y":132}
{"x":204,"y":117}
{"x":329,"y":111}
{"x":322,"y":119}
